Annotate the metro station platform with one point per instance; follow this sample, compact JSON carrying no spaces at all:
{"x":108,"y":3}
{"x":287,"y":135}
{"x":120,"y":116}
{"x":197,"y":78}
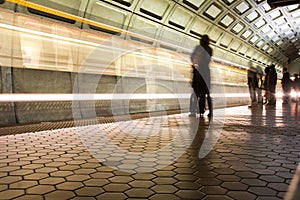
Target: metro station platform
{"x":252,"y":154}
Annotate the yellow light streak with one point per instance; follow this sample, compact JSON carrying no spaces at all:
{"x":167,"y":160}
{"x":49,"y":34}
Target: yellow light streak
{"x":38,"y":97}
{"x":103,"y":26}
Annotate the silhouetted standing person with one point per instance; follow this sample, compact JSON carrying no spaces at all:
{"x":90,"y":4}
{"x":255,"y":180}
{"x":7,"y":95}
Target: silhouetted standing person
{"x":259,"y":85}
{"x":286,"y":84}
{"x":266,"y":85}
{"x":296,"y":86}
{"x":252,"y":84}
{"x":200,"y":58}
{"x":272,"y":85}
{"x":194,"y":99}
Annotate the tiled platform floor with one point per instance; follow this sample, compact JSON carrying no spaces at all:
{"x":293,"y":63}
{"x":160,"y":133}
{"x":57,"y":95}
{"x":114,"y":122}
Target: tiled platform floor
{"x":255,"y":155}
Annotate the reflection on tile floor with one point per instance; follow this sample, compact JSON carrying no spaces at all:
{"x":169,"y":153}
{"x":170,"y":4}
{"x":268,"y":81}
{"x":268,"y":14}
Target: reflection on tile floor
{"x":252,"y":155}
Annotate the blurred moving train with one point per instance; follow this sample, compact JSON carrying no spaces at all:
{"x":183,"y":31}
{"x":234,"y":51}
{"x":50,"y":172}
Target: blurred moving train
{"x":64,"y":58}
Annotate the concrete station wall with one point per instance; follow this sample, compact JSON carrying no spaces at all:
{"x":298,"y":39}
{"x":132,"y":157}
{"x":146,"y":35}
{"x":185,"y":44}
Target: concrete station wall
{"x":41,"y":81}
{"x":34,"y":81}
{"x":7,"y":109}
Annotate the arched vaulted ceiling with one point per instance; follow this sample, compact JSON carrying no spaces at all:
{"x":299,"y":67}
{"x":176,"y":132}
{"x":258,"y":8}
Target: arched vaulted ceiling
{"x":244,"y":27}
{"x":241,"y":30}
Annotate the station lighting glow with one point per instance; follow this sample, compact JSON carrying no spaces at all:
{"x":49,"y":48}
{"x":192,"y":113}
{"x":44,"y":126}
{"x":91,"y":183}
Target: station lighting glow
{"x":78,"y":41}
{"x":25,"y":30}
{"x":93,"y":97}
{"x":294,"y":94}
{"x":83,"y":42}
{"x":85,"y":97}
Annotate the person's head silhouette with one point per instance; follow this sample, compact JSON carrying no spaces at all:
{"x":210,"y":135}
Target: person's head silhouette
{"x":204,"y":41}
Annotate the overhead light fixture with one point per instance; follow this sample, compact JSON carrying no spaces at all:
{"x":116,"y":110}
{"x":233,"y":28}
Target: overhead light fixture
{"x":280,"y":3}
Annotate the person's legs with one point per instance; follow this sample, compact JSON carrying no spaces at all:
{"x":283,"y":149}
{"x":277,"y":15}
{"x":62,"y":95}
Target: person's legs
{"x":252,"y":94}
{"x":193,"y":105}
{"x":210,"y":106}
{"x":202,"y":104}
{"x":272,"y":99}
{"x":285,"y":95}
{"x":259,"y":96}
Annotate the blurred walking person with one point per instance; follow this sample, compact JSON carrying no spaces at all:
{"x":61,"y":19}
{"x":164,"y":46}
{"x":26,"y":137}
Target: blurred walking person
{"x":266,"y":85}
{"x":260,"y":85}
{"x":272,"y":85}
{"x":200,"y":58}
{"x":252,"y":85}
{"x":296,"y":86}
{"x":286,"y":84}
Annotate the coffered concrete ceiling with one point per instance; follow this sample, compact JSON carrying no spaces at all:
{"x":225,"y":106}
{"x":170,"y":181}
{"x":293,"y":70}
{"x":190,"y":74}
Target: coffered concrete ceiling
{"x":247,"y":28}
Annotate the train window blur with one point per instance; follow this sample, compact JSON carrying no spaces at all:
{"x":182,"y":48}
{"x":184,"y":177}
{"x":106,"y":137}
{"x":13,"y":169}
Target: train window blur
{"x":226,"y":20}
{"x":238,"y":28}
{"x":252,"y":16}
{"x":246,"y":34}
{"x":195,"y":4}
{"x":70,"y":7}
{"x":213,"y":11}
{"x":155,"y":8}
{"x":124,"y":2}
{"x":242,"y":8}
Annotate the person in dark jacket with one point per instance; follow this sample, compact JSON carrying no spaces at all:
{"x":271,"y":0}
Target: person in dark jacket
{"x":193,"y":99}
{"x":272,"y":85}
{"x":200,"y":58}
{"x":286,"y":84}
{"x":266,"y":85}
{"x":252,"y":84}
{"x":260,"y":86}
{"x":296,"y":86}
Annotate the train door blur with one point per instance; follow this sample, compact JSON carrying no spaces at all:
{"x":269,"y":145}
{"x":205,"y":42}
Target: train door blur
{"x":63,"y":54}
{"x":7,"y":113}
{"x":31,"y":41}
